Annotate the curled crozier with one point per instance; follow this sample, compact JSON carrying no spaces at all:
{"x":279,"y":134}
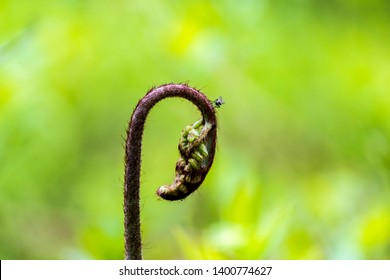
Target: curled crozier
{"x":196,"y":148}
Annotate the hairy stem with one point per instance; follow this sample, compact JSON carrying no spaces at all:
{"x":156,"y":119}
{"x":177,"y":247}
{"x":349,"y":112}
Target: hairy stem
{"x":133,"y":244}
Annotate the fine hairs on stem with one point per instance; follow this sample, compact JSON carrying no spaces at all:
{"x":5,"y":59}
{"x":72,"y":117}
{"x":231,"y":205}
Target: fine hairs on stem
{"x":196,"y":147}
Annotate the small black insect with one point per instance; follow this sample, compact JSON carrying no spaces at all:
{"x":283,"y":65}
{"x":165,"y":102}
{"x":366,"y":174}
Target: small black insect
{"x":218,"y":102}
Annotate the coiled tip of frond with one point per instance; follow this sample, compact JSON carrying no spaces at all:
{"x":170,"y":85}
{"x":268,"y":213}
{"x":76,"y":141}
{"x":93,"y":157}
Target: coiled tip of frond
{"x":196,"y":147}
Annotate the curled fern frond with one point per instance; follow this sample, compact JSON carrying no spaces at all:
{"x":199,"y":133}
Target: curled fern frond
{"x":197,"y":149}
{"x":193,"y":164}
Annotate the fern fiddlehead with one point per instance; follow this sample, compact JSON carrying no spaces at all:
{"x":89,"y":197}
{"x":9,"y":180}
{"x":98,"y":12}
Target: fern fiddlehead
{"x":193,"y":164}
{"x":196,"y":147}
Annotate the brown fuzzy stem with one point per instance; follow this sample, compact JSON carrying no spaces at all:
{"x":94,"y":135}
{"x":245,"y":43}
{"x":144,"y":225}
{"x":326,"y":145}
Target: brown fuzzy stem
{"x":133,"y":244}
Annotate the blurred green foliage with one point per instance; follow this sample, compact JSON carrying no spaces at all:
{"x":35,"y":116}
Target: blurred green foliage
{"x":303,"y":160}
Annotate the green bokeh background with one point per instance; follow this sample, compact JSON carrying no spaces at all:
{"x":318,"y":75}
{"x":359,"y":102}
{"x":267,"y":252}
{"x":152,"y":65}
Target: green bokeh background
{"x":303,"y":159}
